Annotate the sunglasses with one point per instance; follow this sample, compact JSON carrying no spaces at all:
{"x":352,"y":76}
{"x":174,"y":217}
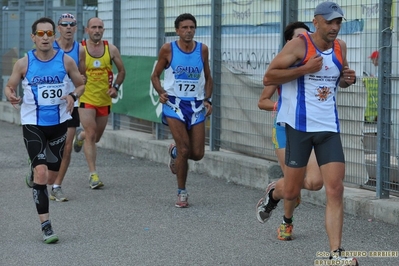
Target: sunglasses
{"x":41,"y":33}
{"x":66,"y":23}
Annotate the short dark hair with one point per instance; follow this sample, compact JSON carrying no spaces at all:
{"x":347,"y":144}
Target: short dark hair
{"x":42,"y":20}
{"x":185,"y":16}
{"x":290,"y":28}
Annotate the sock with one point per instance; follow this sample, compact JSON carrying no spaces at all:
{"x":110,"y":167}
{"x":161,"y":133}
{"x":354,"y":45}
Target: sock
{"x":40,"y":198}
{"x":271,"y":197}
{"x":287,"y":220}
{"x":180,"y":190}
{"x":45,"y":223}
{"x":336,"y":253}
{"x":56,"y":186}
{"x":174,"y":152}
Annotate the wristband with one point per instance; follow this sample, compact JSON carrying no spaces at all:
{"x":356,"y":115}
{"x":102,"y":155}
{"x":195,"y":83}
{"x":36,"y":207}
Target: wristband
{"x":275,"y":106}
{"x":116,"y":86}
{"x":354,"y":82}
{"x":74,"y":96}
{"x":209,"y":101}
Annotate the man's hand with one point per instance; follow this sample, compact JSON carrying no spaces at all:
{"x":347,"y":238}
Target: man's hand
{"x":314,"y":64}
{"x":163,"y":97}
{"x":348,"y":76}
{"x":12,"y":98}
{"x":208,"y":108}
{"x":112,"y":92}
{"x":70,"y":102}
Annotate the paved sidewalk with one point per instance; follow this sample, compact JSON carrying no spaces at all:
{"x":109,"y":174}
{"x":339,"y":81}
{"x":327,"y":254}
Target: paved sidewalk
{"x":133,"y":221}
{"x":249,"y":171}
{"x":235,"y":168}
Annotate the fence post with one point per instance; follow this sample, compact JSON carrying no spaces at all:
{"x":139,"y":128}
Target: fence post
{"x":116,"y":27}
{"x":79,"y":18}
{"x":216,"y":69}
{"x":289,"y":13}
{"x":3,"y":97}
{"x":384,"y":96}
{"x":48,"y":9}
{"x":159,"y":127}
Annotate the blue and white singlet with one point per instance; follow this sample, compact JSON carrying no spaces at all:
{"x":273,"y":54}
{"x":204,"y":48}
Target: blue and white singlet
{"x":74,"y":52}
{"x":44,"y":84}
{"x":184,"y":77}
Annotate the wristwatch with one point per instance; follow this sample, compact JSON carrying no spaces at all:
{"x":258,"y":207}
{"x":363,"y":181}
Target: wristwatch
{"x":74,"y":96}
{"x":116,"y":86}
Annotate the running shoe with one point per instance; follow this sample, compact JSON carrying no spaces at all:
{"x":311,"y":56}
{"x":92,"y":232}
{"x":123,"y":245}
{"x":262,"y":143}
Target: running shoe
{"x":337,"y":258}
{"x":171,"y":159}
{"x":265,"y":206}
{"x":284,"y":232}
{"x":57,"y":194}
{"x":182,"y":200}
{"x":48,"y":234}
{"x":95,"y":182}
{"x":29,"y":176}
{"x":78,"y":144}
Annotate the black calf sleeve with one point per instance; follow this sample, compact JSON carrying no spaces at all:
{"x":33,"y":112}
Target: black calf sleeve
{"x":40,"y":197}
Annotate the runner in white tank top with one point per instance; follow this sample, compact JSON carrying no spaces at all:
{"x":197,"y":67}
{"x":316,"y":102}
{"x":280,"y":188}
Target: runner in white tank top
{"x":308,"y":108}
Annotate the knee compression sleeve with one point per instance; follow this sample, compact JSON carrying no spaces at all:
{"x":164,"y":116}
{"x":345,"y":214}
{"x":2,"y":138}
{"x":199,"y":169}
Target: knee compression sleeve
{"x":40,"y":197}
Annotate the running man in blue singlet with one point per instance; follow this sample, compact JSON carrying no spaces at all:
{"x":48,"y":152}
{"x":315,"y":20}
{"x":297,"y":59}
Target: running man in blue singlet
{"x":67,"y":26}
{"x":274,"y":191}
{"x":46,"y":106}
{"x":186,"y":98}
{"x":308,"y":109}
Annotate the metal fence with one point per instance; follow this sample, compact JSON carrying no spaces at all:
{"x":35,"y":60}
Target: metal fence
{"x":243,"y":37}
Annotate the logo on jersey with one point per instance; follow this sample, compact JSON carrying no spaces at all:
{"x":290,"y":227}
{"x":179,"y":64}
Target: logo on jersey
{"x":322,"y":93}
{"x":45,"y":80}
{"x":191,"y":72}
{"x":97,"y":63}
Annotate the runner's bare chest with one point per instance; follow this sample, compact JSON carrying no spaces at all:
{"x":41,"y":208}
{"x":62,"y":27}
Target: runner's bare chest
{"x":96,"y":51}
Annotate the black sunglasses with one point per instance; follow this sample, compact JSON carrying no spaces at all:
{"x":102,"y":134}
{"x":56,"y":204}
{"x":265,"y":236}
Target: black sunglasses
{"x":66,"y":23}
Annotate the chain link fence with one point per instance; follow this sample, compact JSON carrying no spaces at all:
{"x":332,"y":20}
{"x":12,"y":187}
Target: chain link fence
{"x":243,"y":37}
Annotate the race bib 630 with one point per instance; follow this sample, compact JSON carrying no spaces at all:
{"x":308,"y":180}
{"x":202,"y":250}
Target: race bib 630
{"x":50,"y":94}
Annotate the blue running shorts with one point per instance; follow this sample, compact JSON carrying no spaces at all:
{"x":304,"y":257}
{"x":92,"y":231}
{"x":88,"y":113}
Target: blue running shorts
{"x":189,"y":112}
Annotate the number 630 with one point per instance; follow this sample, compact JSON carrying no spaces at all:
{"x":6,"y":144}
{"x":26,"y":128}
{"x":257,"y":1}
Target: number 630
{"x":51,"y":93}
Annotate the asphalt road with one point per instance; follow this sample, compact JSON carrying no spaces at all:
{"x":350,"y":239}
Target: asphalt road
{"x":133,"y":221}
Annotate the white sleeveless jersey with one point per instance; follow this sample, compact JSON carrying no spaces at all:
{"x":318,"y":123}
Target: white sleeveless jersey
{"x":184,"y":78}
{"x":44,"y":84}
{"x":309,"y":103}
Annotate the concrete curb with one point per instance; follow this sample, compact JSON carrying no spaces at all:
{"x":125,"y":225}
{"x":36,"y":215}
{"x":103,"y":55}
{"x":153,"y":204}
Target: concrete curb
{"x":235,"y":168}
{"x":248,"y":171}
